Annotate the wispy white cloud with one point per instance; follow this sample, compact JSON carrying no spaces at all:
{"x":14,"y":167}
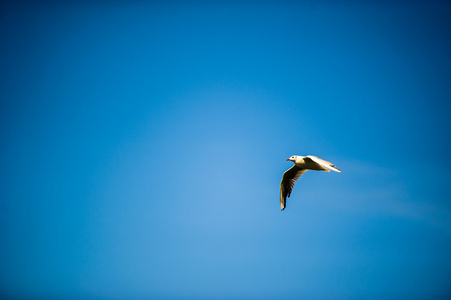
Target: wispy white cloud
{"x":364,"y":188}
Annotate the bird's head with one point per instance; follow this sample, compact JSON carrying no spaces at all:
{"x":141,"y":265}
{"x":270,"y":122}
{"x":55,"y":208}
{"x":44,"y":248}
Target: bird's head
{"x":293,"y":158}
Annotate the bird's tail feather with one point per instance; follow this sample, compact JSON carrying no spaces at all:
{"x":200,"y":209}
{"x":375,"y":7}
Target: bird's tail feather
{"x":332,"y":167}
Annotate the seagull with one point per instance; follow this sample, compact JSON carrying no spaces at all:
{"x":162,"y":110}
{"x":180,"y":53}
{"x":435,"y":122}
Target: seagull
{"x":301,"y":165}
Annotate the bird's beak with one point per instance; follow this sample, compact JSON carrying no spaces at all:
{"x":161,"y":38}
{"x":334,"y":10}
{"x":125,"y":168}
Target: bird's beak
{"x":287,"y":159}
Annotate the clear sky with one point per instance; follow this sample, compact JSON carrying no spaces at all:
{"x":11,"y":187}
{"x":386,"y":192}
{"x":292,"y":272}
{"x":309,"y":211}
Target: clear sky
{"x":143,"y":144}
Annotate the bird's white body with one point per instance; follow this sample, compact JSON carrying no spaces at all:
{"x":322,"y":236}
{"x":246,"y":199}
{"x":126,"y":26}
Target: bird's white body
{"x":301,"y":165}
{"x":311,"y":162}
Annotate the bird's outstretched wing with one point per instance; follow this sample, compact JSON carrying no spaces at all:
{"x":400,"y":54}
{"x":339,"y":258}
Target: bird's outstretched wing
{"x":286,"y":185}
{"x":323,"y":163}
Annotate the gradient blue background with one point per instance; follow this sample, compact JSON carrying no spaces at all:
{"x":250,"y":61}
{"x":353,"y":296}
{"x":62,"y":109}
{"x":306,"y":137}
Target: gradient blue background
{"x":142,"y":147}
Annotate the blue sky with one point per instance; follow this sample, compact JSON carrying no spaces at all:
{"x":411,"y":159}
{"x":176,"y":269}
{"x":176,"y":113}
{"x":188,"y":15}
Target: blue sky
{"x":143,"y":144}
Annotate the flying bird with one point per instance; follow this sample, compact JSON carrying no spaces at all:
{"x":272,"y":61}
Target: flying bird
{"x":301,"y":165}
